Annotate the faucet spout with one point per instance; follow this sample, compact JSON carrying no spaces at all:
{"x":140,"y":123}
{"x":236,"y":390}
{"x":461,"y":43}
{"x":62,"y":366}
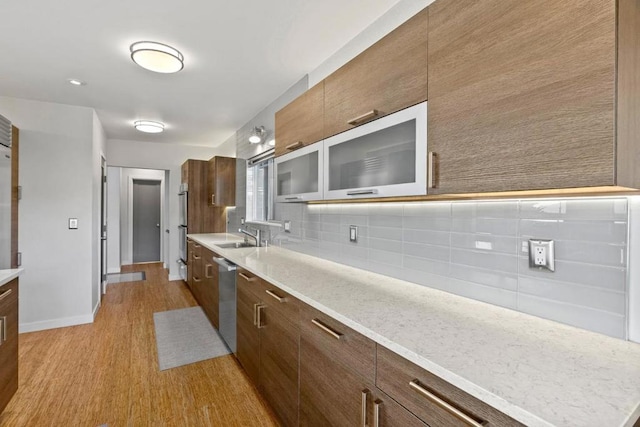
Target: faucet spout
{"x":256,"y":237}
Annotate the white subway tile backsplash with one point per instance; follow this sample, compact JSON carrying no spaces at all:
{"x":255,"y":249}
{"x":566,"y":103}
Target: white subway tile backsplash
{"x":582,"y":317}
{"x":475,"y":249}
{"x":572,"y":293}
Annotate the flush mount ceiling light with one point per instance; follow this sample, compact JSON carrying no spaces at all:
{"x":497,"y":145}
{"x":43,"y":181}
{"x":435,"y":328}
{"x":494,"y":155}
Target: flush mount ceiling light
{"x":157,"y":57}
{"x":257,"y":134}
{"x":148,"y":126}
{"x":76,"y":82}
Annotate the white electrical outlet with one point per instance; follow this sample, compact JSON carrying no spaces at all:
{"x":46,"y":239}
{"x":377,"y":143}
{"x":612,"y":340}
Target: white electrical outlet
{"x":353,"y":233}
{"x":287,"y":226}
{"x":541,"y":254}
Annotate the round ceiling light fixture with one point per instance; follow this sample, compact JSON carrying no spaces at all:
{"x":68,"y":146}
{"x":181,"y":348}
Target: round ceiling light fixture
{"x":148,"y":126}
{"x":257,"y":134}
{"x":157,"y":57}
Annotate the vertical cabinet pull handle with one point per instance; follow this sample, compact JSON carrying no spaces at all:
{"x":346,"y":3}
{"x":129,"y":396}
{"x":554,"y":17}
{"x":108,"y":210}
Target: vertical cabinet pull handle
{"x":259,"y":319}
{"x":3,"y":329}
{"x":376,"y":413}
{"x":213,"y":199}
{"x":365,"y":396}
{"x":206,"y":271}
{"x":255,"y":314}
{"x":431,"y":163}
{"x":5,"y":294}
{"x":326,"y":329}
{"x":457,"y":413}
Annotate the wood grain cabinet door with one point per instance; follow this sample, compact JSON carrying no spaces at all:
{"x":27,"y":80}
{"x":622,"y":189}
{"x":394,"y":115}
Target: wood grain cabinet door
{"x":247,"y":333}
{"x":300,"y":123}
{"x":522,"y":94}
{"x":221,"y":181}
{"x":9,"y":344}
{"x":210,"y":288}
{"x":387,"y":77}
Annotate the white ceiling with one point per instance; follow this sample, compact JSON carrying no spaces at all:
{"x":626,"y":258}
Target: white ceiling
{"x":239,"y":56}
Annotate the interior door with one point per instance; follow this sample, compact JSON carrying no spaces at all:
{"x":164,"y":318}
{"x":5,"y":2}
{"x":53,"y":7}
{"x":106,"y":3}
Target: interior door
{"x":146,"y":220}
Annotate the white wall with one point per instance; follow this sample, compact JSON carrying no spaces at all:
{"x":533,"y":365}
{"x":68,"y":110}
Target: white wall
{"x":113,"y":219}
{"x":149,"y":155}
{"x":127,"y":176}
{"x":57,"y":178}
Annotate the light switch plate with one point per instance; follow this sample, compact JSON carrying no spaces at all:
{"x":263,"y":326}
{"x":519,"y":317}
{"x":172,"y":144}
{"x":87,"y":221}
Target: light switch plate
{"x":353,"y":233}
{"x":541,"y":254}
{"x":287,"y":226}
{"x":73,"y":223}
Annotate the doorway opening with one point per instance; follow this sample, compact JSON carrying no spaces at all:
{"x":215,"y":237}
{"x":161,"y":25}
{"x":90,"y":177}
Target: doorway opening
{"x":146,"y":215}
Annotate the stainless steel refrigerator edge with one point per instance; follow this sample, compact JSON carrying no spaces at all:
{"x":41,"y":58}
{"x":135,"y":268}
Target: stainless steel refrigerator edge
{"x":183,"y":197}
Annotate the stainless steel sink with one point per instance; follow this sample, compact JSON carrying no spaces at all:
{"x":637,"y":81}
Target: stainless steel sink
{"x":233,"y":245}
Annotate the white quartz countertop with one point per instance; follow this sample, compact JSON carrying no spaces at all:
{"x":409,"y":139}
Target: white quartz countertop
{"x":8,"y":275}
{"x":540,"y":372}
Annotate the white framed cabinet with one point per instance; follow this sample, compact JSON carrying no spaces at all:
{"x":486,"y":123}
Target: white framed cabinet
{"x":299,"y":174}
{"x":383,"y":158}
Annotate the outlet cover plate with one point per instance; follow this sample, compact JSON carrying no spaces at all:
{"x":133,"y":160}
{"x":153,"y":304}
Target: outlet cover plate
{"x":353,"y":233}
{"x":542,"y":254}
{"x":287,"y":226}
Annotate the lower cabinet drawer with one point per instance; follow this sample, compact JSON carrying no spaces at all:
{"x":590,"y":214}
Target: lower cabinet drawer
{"x":432,"y":399}
{"x":8,"y":342}
{"x":343,"y":344}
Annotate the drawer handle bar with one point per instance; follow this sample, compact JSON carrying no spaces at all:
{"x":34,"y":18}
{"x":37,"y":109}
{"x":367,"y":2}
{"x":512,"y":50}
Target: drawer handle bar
{"x":293,"y":198}
{"x":466,"y":419}
{"x":363,"y":416}
{"x":295,"y":145}
{"x":259,"y":319}
{"x":328,"y":330}
{"x":366,"y":116}
{"x":431,"y":182}
{"x":376,"y":413}
{"x":5,"y":294}
{"x":196,"y":257}
{"x":195,"y":245}
{"x":361,"y":192}
{"x":195,"y":279}
{"x":273,"y":294}
{"x":247,"y":278}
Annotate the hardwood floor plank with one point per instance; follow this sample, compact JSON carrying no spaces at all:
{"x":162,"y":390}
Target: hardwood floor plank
{"x":107,"y":372}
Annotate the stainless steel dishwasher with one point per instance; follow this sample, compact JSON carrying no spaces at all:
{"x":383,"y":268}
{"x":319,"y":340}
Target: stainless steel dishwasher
{"x":227,"y":301}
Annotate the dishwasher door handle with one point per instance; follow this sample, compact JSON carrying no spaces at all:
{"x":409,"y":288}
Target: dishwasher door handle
{"x":228,"y":266}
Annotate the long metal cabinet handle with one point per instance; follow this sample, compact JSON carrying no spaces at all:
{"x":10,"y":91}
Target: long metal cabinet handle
{"x":206,"y":271}
{"x":363,"y":417}
{"x":325,"y":328}
{"x":247,"y":278}
{"x":360,"y":192}
{"x":255,"y":314}
{"x":431,"y":157}
{"x":293,"y":198}
{"x":276,"y":296}
{"x":5,"y":294}
{"x":3,"y":329}
{"x":295,"y":145}
{"x":366,"y":116}
{"x":259,"y":310}
{"x":376,"y":413}
{"x":466,"y":419}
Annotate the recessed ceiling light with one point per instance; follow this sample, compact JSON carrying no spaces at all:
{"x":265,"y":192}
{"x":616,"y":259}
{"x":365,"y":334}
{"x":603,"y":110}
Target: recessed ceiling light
{"x":257,"y":134}
{"x":157,"y":57}
{"x":76,"y":82}
{"x":148,"y":126}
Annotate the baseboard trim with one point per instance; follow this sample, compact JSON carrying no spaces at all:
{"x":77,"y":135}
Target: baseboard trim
{"x":55,"y":323}
{"x":95,"y":311}
{"x":112,"y":270}
{"x":173,"y":277}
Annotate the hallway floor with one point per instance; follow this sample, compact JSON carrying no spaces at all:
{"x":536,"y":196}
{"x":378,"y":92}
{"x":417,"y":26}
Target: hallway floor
{"x":106,"y":373}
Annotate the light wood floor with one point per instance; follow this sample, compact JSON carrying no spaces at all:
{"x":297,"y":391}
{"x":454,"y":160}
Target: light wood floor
{"x":107,"y":372}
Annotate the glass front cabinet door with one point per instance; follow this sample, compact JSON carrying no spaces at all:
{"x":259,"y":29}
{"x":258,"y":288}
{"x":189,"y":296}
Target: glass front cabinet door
{"x":298,"y":175}
{"x":383,"y":158}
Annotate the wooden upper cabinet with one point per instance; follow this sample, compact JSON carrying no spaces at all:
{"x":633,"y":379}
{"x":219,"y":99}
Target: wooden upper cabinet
{"x":387,"y":77}
{"x":221,"y":181}
{"x":300,"y":122}
{"x":522,"y":94}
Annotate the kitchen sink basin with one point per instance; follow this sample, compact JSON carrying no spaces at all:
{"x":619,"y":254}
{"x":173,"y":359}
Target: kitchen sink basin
{"x":232,"y":245}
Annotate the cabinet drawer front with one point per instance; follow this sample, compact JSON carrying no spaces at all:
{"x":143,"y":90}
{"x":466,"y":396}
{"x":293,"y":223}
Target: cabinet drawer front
{"x":278,"y":301}
{"x":341,"y":343}
{"x":424,"y":393}
{"x":251,"y":283}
